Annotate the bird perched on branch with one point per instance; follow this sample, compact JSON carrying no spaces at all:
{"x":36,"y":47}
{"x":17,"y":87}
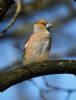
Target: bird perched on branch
{"x":38,"y":46}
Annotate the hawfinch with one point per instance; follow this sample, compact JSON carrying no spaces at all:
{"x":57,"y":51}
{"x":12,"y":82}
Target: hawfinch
{"x":38,"y":46}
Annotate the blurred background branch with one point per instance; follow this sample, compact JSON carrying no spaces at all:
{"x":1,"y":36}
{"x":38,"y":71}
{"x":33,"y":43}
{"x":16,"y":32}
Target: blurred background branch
{"x":4,"y":6}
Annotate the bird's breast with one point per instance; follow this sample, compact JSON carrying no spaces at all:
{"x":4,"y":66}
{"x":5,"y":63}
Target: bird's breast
{"x":37,"y":49}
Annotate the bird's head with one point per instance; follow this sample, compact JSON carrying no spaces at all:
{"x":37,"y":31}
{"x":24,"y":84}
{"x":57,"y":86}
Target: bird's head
{"x":42,"y":25}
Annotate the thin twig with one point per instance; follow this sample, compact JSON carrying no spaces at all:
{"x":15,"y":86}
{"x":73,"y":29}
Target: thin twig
{"x":18,"y":9}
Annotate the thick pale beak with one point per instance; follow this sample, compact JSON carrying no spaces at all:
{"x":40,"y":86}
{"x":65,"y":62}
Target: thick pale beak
{"x":49,"y":25}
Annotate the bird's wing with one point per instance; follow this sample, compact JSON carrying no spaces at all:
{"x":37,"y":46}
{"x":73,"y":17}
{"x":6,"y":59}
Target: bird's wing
{"x":26,"y":45}
{"x":24,"y":50}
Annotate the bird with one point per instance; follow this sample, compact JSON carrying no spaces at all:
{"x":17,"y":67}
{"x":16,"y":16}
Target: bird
{"x":38,"y":46}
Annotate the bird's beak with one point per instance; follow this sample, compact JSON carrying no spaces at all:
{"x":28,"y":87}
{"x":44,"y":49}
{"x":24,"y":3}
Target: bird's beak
{"x":49,"y":25}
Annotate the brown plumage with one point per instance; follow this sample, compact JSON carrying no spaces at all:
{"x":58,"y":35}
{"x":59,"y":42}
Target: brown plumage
{"x":38,"y":46}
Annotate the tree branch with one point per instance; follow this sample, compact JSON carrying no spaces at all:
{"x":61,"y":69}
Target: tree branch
{"x":4,"y":6}
{"x":17,"y":75}
{"x":12,"y":21}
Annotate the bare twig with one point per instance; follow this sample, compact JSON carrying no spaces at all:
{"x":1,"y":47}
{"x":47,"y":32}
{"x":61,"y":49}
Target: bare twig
{"x":18,"y":9}
{"x":50,"y":88}
{"x":56,"y":88}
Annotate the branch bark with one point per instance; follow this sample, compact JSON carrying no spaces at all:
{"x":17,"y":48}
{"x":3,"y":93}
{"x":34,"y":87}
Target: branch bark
{"x":30,"y":7}
{"x":4,"y":6}
{"x":22,"y":73}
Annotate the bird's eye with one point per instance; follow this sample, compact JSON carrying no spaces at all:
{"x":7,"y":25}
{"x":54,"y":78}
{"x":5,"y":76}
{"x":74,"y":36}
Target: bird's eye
{"x":44,"y":24}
